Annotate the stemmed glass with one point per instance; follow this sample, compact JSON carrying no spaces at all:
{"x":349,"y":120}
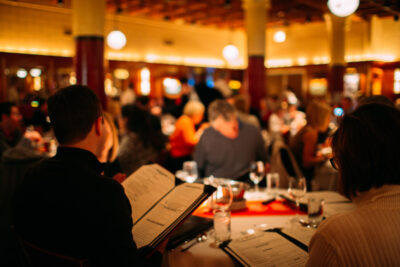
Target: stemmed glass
{"x":190,"y":169}
{"x":222,"y":197}
{"x":297,"y":190}
{"x":256,"y":173}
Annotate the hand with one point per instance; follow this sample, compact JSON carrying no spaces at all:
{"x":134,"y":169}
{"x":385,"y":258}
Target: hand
{"x":120,"y":177}
{"x":34,"y":136}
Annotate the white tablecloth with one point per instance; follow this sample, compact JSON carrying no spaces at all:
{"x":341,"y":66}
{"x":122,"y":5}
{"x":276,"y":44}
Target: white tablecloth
{"x":207,"y":254}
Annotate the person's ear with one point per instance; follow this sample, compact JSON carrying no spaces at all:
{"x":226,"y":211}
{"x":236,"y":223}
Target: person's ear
{"x":98,"y":125}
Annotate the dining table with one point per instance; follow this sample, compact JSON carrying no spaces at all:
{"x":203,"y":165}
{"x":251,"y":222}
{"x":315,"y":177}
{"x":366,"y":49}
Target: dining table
{"x":255,"y":217}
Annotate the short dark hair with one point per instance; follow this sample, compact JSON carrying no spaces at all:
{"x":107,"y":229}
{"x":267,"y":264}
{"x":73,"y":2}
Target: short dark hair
{"x":221,"y":107}
{"x":366,"y":147}
{"x":377,"y":99}
{"x":73,"y":111}
{"x":5,"y":108}
{"x":145,"y":125}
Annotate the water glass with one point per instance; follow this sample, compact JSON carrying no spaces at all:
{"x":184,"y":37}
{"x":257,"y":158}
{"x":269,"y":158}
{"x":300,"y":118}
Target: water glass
{"x":222,"y":225}
{"x":297,"y":189}
{"x":256,"y":173}
{"x":315,"y":211}
{"x":273,"y":183}
{"x":190,"y":167}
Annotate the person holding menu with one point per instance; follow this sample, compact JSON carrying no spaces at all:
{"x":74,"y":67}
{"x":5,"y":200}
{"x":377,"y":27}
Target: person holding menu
{"x":366,"y":149}
{"x":65,"y":205}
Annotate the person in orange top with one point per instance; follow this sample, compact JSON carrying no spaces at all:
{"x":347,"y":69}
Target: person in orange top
{"x":185,"y":137}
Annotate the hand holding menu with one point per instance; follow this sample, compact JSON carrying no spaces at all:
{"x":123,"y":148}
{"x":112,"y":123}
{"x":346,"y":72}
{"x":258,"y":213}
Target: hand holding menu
{"x":158,"y":206}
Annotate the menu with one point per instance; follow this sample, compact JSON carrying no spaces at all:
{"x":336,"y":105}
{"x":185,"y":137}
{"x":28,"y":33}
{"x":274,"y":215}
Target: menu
{"x":158,"y":206}
{"x":266,"y":249}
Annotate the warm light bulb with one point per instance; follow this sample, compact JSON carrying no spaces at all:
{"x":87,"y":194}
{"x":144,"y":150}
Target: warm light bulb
{"x":116,"y":40}
{"x":121,"y":74}
{"x":230,"y":52}
{"x":145,"y":74}
{"x":21,"y":73}
{"x":279,"y":36}
{"x":343,"y":8}
{"x":35,"y":72}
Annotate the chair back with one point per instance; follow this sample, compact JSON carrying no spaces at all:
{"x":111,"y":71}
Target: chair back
{"x":284,"y":163}
{"x":39,"y":257}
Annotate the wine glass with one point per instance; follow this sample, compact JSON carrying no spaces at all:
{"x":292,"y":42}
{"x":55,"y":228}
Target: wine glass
{"x":297,"y":189}
{"x":256,"y":173}
{"x":190,"y":168}
{"x":222,"y":197}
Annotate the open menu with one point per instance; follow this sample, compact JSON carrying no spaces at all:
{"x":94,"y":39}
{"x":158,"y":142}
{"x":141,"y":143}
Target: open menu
{"x":266,"y":249}
{"x":158,"y":204}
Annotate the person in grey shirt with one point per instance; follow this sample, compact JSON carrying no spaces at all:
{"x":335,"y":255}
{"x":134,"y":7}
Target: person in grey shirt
{"x":227,"y":148}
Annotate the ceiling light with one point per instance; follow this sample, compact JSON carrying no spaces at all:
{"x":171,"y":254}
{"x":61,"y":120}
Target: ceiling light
{"x":21,"y":73}
{"x":35,"y":72}
{"x":116,"y":40}
{"x":121,"y":74}
{"x":343,"y":8}
{"x":230,"y":52}
{"x":279,"y":37}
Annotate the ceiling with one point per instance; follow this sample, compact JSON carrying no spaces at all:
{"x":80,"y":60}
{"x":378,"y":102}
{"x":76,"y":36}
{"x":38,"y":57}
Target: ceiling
{"x":229,"y":13}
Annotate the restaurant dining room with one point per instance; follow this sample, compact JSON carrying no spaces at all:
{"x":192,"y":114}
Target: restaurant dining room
{"x":199,"y":133}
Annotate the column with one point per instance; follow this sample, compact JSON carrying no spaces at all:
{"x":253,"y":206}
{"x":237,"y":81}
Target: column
{"x":3,"y":80}
{"x":336,"y":36}
{"x":255,"y":20}
{"x":88,"y":28}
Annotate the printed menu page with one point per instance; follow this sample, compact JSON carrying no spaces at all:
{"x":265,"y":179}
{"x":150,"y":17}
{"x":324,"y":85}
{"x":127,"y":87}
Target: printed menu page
{"x":266,"y":249}
{"x":166,"y":213}
{"x":145,"y":187}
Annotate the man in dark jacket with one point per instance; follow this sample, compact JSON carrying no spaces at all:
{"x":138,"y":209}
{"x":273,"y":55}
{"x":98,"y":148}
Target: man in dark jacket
{"x":65,"y":205}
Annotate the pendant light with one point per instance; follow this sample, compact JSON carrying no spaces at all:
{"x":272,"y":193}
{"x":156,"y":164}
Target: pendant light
{"x":116,"y":39}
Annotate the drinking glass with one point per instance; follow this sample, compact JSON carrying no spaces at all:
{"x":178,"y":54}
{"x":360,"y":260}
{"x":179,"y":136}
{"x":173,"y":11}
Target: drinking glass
{"x":315,"y":211}
{"x":190,"y":167}
{"x":222,"y":197}
{"x":221,"y":203}
{"x":222,"y":225}
{"x":273,"y":183}
{"x":297,"y":190}
{"x":256,"y":173}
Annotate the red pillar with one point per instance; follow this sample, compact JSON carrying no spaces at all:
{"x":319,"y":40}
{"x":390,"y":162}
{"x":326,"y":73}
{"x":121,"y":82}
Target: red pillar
{"x":88,"y":27}
{"x":89,"y":64}
{"x":336,"y":36}
{"x":255,"y":19}
{"x":335,"y":78}
{"x":255,"y":75}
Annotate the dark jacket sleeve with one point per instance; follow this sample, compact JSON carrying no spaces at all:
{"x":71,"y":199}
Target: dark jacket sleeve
{"x":119,"y":243}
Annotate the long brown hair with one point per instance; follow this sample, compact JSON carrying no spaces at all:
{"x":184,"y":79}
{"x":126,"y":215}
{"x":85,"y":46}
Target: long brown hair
{"x":366,"y":148}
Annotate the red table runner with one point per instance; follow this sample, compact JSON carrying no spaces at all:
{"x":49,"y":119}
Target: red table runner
{"x":253,"y":208}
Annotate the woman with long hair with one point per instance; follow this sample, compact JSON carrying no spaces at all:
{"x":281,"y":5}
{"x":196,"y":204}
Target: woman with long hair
{"x":366,"y":152}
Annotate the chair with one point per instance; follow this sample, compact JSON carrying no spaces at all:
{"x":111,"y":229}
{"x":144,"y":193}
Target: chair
{"x":39,"y":257}
{"x":14,"y":164}
{"x":284,"y":163}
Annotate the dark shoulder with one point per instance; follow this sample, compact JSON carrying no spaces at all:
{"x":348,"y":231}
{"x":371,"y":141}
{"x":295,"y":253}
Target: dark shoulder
{"x":209,"y":132}
{"x":249,"y":129}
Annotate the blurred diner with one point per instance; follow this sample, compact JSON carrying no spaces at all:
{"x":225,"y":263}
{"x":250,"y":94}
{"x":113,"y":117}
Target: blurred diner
{"x":304,"y":144}
{"x":185,"y":137}
{"x":370,"y":176}
{"x":143,"y":141}
{"x":227,"y":148}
